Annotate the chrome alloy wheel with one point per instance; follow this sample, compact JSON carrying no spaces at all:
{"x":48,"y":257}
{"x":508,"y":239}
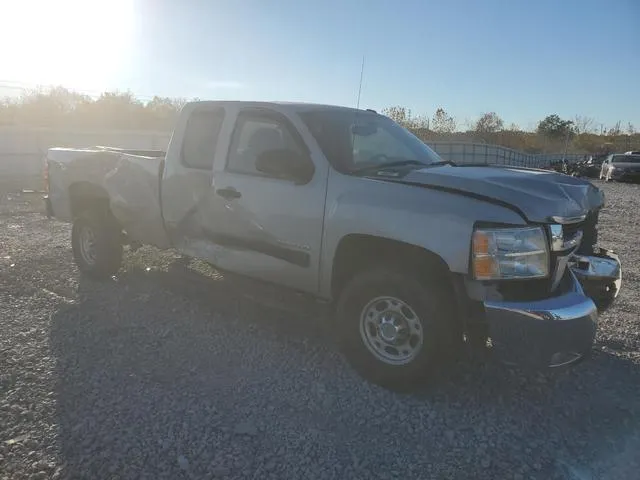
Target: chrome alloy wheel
{"x":391,"y":330}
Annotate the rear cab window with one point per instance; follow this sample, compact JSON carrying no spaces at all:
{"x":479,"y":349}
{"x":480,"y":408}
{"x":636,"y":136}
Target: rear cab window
{"x":201,"y":138}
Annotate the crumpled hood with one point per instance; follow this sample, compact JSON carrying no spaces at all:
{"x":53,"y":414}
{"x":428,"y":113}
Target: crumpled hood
{"x":539,"y":194}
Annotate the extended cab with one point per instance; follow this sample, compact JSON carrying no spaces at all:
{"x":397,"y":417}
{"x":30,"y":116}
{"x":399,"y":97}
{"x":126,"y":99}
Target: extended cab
{"x":415,"y":253}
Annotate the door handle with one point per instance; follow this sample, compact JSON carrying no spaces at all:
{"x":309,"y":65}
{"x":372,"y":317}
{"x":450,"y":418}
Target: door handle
{"x":228,"y":193}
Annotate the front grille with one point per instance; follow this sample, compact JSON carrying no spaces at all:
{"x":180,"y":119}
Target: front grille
{"x":589,"y":228}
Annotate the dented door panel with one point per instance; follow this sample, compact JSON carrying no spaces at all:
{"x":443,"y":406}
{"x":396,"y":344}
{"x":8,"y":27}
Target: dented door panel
{"x":187,"y":182}
{"x":271,"y":230}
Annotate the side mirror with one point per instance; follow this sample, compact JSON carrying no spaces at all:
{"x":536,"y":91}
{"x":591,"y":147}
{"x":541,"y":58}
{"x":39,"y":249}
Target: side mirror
{"x":285,"y":163}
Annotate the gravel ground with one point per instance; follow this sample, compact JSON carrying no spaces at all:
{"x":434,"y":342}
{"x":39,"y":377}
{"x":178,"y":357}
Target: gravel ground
{"x":171,"y":371}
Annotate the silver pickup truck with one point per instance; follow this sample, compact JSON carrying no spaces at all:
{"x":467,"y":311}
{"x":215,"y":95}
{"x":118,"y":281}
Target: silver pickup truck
{"x":416,"y":254}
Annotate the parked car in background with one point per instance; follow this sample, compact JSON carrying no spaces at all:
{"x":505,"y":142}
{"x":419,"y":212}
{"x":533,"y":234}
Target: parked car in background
{"x":349,"y":207}
{"x":589,"y":168}
{"x":621,"y":167}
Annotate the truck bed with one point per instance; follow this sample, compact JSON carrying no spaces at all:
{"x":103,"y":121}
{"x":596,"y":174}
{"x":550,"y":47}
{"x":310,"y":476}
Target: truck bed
{"x":130,"y":182}
{"x":139,"y":153}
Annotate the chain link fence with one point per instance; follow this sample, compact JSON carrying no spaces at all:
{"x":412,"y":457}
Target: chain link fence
{"x":486,"y":154}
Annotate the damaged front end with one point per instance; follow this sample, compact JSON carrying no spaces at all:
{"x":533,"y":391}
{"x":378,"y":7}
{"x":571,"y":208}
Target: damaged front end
{"x":597,"y":269}
{"x":557,"y":327}
{"x":600,"y":275}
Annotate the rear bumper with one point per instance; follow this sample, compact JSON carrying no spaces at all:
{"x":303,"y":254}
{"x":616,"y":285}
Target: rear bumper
{"x":560,"y":330}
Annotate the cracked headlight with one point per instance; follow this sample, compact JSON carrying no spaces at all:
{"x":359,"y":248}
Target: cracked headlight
{"x":509,"y":253}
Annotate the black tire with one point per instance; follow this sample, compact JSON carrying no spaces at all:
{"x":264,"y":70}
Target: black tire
{"x":107,"y":258}
{"x":435,"y":310}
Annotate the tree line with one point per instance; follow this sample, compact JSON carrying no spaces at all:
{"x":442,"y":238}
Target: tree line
{"x":62,"y":108}
{"x":580,"y":134}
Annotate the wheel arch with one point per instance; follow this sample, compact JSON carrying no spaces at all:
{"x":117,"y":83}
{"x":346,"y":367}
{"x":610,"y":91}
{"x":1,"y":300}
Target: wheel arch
{"x":85,"y":196}
{"x":356,"y":252}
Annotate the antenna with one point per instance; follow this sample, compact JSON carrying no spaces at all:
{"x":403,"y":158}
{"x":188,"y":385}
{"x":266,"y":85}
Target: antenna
{"x":360,"y":86}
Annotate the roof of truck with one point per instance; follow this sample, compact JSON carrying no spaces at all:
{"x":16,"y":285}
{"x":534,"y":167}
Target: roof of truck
{"x":297,"y":106}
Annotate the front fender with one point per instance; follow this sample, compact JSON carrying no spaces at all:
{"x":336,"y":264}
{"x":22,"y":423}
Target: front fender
{"x":438,"y":221}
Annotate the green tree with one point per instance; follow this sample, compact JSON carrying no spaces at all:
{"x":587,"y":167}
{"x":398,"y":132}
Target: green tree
{"x":555,"y":128}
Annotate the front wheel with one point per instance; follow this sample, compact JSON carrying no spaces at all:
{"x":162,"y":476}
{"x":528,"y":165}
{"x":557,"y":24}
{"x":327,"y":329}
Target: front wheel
{"x":97,"y":246}
{"x":393,"y":328}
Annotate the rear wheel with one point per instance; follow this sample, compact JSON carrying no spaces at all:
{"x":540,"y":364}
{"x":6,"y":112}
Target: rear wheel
{"x":393,"y":328}
{"x":97,"y":245}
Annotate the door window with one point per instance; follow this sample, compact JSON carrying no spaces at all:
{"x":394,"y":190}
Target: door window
{"x":256,"y":133}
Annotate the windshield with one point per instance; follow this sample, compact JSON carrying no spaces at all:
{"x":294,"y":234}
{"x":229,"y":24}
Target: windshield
{"x":352,"y":140}
{"x":626,"y":159}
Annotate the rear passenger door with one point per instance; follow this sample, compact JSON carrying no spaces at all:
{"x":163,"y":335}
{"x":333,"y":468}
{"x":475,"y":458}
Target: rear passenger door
{"x":186,"y":189}
{"x":269,"y":227}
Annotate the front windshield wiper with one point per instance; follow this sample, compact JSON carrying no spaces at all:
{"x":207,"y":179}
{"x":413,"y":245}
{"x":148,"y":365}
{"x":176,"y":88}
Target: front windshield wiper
{"x":384,"y":166}
{"x":442,"y":162}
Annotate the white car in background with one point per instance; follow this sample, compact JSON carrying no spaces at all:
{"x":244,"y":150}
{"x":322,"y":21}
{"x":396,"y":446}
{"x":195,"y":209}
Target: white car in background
{"x":621,"y":167}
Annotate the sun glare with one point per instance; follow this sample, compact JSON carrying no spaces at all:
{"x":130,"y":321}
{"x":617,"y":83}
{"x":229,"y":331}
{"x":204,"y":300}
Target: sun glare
{"x":80,"y":44}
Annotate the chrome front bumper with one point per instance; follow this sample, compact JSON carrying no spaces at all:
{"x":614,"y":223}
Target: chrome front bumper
{"x":559,"y":330}
{"x":600,"y":276}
